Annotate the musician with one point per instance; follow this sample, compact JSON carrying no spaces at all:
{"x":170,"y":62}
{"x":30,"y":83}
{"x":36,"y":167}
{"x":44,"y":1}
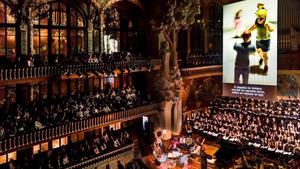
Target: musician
{"x":182,"y":141}
{"x":174,"y":145}
{"x":195,"y":150}
{"x":159,"y":142}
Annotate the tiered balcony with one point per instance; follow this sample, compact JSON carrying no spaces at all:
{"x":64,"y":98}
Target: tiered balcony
{"x":103,"y":159}
{"x":199,"y":65}
{"x":38,"y":136}
{"x":48,"y":71}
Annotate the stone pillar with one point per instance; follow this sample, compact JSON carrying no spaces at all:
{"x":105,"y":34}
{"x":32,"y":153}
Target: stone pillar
{"x":31,"y":92}
{"x":177,"y":118}
{"x":166,"y":119}
{"x":206,"y":17}
{"x":166,"y":64}
{"x":119,"y":40}
{"x":205,"y":40}
{"x":101,"y":82}
{"x":188,"y":45}
{"x":24,"y":38}
{"x":31,"y":38}
{"x":102,"y":40}
{"x":90,"y":39}
{"x":30,"y":28}
{"x":102,"y":32}
{"x":166,"y":116}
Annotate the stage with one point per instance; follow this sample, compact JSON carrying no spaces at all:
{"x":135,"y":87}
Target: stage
{"x":193,"y":163}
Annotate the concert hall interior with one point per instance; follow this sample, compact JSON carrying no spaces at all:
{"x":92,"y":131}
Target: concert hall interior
{"x":150,"y":84}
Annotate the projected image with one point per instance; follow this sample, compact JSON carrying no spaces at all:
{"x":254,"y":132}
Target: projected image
{"x":250,"y":43}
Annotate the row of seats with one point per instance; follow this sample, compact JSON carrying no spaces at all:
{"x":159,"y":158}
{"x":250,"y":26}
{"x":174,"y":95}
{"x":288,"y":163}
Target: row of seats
{"x":75,"y":152}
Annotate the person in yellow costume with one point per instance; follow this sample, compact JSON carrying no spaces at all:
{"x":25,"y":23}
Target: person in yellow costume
{"x":263,"y":36}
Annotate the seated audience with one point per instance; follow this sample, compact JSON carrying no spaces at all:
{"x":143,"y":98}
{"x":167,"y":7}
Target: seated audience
{"x":68,"y":155}
{"x":35,"y":115}
{"x":271,"y":126}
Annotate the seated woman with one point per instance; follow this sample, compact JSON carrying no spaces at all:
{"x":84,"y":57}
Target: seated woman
{"x":96,"y":150}
{"x":264,"y":144}
{"x":279,"y":146}
{"x":195,"y":150}
{"x":174,"y":145}
{"x":272,"y":145}
{"x":182,"y":140}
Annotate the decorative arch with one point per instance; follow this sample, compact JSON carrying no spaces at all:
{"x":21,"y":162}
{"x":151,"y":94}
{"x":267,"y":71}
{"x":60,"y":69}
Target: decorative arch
{"x":135,"y":2}
{"x":60,"y":34}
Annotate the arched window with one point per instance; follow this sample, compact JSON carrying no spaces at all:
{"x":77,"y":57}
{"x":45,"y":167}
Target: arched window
{"x":111,"y":30}
{"x":96,"y":33}
{"x":122,"y":31}
{"x":59,"y":33}
{"x":7,"y":34}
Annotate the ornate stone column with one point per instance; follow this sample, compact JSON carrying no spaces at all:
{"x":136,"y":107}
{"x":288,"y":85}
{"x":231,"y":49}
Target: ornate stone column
{"x":188,"y":44}
{"x":102,"y":32}
{"x":24,"y":39}
{"x":205,"y":40}
{"x":31,"y":16}
{"x":31,"y":38}
{"x":31,"y":90}
{"x":90,"y":38}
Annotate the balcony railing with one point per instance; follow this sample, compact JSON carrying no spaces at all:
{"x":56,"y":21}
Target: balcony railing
{"x":47,"y":71}
{"x":206,"y":60}
{"x":62,"y":130}
{"x":100,"y":160}
{"x":186,"y":72}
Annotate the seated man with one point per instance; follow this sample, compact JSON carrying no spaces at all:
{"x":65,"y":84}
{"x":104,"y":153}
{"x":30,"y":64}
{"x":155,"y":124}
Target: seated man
{"x":158,"y":154}
{"x":189,"y":141}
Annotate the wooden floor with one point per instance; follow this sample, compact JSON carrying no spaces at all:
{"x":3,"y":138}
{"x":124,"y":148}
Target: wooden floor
{"x":194,"y":163}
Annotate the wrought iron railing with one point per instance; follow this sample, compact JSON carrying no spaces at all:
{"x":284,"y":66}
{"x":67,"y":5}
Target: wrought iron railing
{"x":47,"y":71}
{"x":203,"y":60}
